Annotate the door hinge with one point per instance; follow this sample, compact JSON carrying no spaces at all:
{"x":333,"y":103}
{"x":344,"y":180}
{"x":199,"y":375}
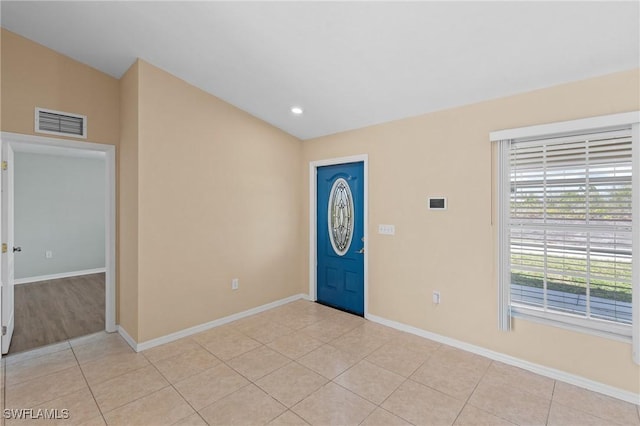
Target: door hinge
{"x":4,"y":247}
{"x":4,"y":330}
{"x":4,"y":165}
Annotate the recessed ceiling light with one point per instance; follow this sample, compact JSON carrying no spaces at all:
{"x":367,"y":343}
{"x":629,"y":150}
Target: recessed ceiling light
{"x":296,"y":110}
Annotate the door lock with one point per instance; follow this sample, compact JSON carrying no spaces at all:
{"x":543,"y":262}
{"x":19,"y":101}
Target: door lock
{"x":17,"y":249}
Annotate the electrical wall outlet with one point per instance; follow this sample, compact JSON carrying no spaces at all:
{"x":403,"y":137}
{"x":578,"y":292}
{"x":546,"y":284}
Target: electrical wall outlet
{"x":235,"y":283}
{"x":436,"y":297}
{"x":48,"y":254}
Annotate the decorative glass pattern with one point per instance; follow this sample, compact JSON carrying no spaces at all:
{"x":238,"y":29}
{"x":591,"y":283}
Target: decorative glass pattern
{"x":341,"y":216}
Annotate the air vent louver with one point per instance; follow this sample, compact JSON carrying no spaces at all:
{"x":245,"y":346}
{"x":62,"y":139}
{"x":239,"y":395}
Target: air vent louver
{"x":61,"y":123}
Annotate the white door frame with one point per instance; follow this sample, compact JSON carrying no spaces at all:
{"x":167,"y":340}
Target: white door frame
{"x":313,"y":186}
{"x":7,"y":269}
{"x":110,"y":206}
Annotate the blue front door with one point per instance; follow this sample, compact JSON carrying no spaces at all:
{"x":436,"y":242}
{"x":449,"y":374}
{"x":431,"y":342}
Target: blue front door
{"x":340,"y":237}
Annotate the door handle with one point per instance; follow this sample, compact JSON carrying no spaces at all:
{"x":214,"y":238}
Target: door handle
{"x":361,"y":251}
{"x":17,"y":249}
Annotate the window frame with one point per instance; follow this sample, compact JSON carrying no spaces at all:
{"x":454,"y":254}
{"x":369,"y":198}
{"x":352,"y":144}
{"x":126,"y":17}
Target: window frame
{"x":506,"y":310}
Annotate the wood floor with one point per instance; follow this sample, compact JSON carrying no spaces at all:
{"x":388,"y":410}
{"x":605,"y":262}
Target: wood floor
{"x":52,"y":311}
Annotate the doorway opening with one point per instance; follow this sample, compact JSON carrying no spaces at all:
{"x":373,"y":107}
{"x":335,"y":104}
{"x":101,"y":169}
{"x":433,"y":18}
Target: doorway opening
{"x":58,"y":272}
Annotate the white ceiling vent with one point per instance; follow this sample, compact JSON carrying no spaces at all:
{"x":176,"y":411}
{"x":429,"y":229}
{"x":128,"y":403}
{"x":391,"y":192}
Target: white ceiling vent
{"x":61,"y":123}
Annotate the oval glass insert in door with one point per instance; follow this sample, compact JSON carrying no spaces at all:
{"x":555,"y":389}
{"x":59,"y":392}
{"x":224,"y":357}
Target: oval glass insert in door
{"x":340,"y":216}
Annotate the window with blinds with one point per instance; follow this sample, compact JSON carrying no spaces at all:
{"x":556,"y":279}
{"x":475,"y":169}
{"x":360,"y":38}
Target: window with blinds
{"x":570,"y":225}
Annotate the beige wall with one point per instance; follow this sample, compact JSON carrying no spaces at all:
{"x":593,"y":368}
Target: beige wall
{"x":208,"y":193}
{"x":35,"y":76}
{"x":219,"y":198}
{"x":127,"y":298}
{"x":448,"y":153}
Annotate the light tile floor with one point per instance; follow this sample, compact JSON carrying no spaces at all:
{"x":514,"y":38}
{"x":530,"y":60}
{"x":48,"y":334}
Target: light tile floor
{"x":298,"y":364}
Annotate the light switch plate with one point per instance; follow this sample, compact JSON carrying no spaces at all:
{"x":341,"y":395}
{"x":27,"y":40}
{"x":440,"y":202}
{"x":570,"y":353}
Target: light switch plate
{"x":386,"y":229}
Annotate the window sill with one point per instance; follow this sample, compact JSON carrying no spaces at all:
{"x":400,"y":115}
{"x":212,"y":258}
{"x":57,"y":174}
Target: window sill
{"x":606,"y":329}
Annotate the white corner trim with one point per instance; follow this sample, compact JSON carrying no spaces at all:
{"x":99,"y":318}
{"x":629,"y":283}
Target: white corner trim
{"x":127,"y":338}
{"x":138,"y":347}
{"x":58,"y":276}
{"x":583,"y":124}
{"x":552,"y":373}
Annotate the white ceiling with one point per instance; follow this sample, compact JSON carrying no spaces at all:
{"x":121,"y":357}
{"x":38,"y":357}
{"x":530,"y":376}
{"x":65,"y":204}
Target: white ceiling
{"x":348,"y":64}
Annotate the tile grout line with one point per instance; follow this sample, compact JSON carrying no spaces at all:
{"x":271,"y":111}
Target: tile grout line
{"x":175,"y":389}
{"x":218,"y":400}
{"x":235,"y":356}
{"x":117,"y":375}
{"x":114,"y":377}
{"x":439,"y":391}
{"x":553,"y":391}
{"x":251,"y":382}
{"x":294,"y":361}
{"x":328,"y":343}
{"x":473,"y":391}
{"x":36,"y":377}
{"x":231,"y":367}
{"x":41,"y":377}
{"x":493,"y":362}
{"x":597,"y":416}
{"x":358,"y":362}
{"x":291,"y":361}
{"x":88,"y":386}
{"x":406,"y":379}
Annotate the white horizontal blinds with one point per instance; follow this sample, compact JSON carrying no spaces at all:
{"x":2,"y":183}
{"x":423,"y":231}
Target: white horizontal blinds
{"x":570,"y":225}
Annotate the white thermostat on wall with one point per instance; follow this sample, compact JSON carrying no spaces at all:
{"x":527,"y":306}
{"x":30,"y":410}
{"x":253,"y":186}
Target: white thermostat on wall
{"x":437,"y":203}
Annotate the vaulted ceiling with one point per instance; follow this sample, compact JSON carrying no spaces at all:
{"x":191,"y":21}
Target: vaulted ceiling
{"x":347,"y":64}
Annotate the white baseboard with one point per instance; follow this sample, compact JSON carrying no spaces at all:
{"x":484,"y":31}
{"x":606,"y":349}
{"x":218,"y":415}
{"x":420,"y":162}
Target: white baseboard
{"x":552,"y":373}
{"x":138,"y":347}
{"x":58,"y":276}
{"x":127,"y":338}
